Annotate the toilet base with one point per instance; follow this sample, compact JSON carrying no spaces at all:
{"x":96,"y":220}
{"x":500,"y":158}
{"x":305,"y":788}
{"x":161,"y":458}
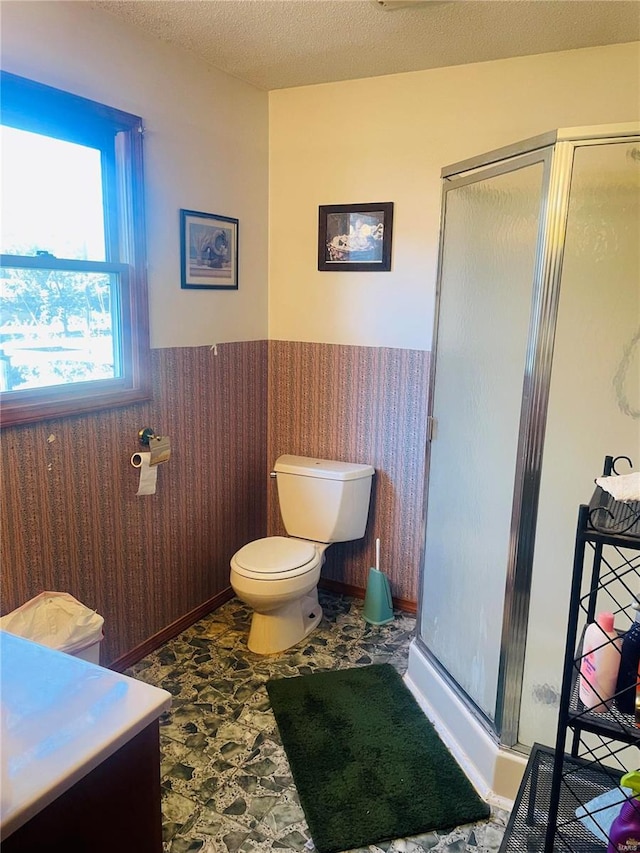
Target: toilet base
{"x":283,"y":627}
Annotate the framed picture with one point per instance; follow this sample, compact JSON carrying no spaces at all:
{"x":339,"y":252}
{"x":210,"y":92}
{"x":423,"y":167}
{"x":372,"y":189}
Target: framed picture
{"x":355,"y":237}
{"x":208,"y":251}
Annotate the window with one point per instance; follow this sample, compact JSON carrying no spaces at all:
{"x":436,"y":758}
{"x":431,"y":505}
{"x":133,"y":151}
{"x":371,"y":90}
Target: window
{"x":73,"y":300}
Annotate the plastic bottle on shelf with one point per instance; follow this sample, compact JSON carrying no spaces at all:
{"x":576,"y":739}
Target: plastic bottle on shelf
{"x":628,"y":674}
{"x":624,"y":835}
{"x":600,"y":664}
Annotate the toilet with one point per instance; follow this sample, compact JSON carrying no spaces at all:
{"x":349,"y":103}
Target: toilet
{"x":321,"y":502}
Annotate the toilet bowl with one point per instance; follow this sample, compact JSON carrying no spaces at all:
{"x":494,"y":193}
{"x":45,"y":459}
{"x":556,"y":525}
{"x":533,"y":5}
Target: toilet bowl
{"x":278,"y":578}
{"x":322,"y":501}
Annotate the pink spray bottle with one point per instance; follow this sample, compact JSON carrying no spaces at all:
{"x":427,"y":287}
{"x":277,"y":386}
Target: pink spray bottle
{"x":624,"y":835}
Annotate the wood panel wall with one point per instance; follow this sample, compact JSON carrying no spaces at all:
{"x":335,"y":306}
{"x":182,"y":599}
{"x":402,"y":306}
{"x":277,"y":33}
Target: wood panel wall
{"x":357,"y":404}
{"x":71,"y":520}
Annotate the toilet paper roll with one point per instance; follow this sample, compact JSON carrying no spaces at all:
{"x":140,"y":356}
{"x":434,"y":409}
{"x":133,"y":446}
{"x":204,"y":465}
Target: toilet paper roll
{"x":148,"y":475}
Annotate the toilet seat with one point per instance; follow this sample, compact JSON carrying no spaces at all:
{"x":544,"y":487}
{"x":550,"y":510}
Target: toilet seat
{"x":276,"y":557}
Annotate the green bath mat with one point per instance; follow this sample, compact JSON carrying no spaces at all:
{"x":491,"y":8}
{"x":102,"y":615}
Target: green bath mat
{"x":367,"y":763}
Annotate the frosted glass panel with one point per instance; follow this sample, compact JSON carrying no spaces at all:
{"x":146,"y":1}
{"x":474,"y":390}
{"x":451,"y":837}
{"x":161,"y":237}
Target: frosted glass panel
{"x":594,"y":403}
{"x":485,"y":303}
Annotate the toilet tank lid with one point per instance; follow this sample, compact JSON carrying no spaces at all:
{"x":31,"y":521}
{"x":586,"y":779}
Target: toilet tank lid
{"x":324,"y":469}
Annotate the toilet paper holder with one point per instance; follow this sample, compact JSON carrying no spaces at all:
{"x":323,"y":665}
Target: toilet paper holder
{"x":158,"y":445}
{"x":145,"y":435}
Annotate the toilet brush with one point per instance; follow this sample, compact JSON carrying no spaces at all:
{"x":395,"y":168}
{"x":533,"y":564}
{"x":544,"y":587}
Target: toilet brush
{"x":378,"y":606}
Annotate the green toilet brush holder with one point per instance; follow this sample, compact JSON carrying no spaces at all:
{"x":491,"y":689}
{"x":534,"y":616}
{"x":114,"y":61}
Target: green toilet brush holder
{"x":378,"y":606}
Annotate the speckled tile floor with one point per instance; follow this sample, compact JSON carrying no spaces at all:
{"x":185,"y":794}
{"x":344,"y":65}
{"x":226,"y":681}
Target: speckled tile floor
{"x":227,"y":787}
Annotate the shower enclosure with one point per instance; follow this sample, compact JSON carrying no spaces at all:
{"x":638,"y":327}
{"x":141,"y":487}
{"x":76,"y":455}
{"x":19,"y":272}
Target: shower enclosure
{"x":535,"y":379}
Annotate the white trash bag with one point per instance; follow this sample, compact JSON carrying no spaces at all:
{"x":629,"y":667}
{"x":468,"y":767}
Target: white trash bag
{"x":57,"y":620}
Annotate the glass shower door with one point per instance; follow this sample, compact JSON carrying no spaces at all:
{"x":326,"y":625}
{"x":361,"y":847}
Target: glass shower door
{"x":488,"y":255}
{"x":594,"y":403}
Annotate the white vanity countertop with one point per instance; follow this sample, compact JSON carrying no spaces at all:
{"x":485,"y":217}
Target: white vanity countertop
{"x":61,"y":716}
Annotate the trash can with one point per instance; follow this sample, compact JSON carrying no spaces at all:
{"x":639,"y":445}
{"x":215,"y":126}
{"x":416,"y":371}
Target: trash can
{"x":60,"y":621}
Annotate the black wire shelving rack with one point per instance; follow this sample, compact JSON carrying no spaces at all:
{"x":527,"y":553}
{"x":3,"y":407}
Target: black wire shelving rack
{"x":549,"y":813}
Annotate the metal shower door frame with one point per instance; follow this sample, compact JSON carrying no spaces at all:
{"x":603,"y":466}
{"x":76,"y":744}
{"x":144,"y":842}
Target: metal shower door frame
{"x":556,"y":151}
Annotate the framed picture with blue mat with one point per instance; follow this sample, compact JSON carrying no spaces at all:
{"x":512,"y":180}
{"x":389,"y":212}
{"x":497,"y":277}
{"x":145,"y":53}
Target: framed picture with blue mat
{"x":367,"y":763}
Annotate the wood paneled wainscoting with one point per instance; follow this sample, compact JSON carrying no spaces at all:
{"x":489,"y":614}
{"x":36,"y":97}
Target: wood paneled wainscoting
{"x":358,"y":404}
{"x":71,"y":520}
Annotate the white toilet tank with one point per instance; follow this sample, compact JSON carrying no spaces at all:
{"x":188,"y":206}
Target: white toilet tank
{"x":322,"y":500}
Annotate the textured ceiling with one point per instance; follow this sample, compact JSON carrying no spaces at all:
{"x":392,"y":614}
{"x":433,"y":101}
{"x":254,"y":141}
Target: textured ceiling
{"x":275,"y":44}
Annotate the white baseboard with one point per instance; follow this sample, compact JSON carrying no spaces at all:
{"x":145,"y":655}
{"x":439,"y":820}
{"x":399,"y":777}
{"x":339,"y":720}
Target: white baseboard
{"x":493,"y":770}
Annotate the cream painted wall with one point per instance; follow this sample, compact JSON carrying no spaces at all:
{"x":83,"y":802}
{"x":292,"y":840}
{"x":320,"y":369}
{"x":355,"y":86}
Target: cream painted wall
{"x":386,"y":139}
{"x":205,"y":149}
{"x":216,"y":144}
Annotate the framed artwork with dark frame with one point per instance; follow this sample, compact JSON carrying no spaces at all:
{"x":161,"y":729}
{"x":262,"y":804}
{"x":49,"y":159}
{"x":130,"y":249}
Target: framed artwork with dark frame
{"x":208,"y":251}
{"x":355,"y":237}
